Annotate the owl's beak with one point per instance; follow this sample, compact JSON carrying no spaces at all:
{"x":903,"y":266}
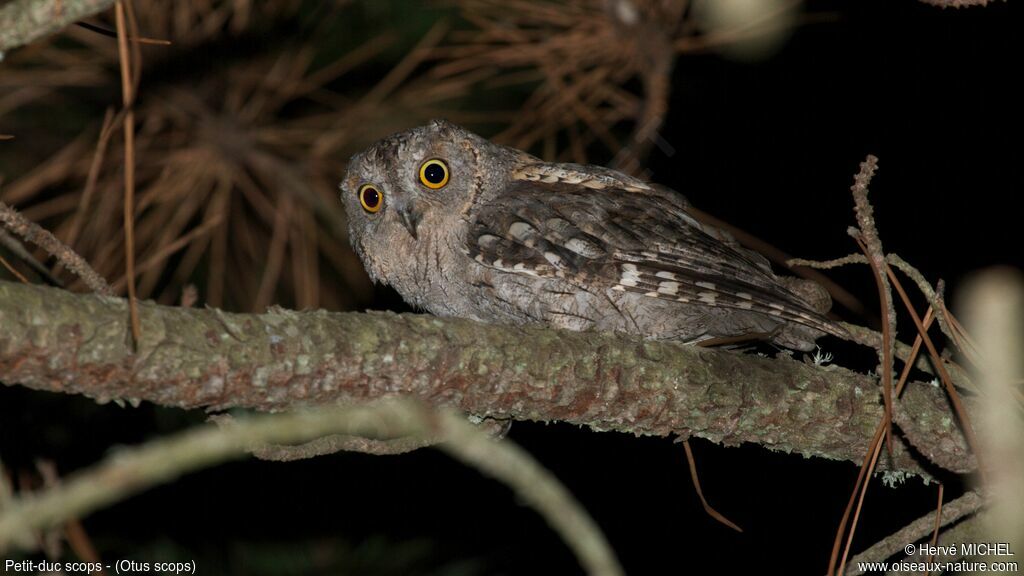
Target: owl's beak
{"x":410,"y":218}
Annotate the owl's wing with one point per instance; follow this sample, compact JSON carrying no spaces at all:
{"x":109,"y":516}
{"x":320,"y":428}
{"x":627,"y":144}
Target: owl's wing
{"x":631,"y":239}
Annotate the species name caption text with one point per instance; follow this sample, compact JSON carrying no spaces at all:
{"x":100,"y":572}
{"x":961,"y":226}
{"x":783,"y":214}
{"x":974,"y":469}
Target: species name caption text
{"x":127,"y":567}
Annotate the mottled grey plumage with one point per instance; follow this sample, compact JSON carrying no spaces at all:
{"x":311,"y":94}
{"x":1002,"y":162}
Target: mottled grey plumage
{"x":510,"y":238}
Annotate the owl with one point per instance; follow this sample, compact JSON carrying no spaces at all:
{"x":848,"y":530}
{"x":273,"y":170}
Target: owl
{"x":463,"y":227}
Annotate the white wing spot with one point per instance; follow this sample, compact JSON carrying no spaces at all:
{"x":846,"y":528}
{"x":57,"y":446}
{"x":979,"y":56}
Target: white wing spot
{"x":744,"y":296}
{"x":582,"y":247}
{"x":668,"y":287}
{"x":707,"y":297}
{"x":630,"y":275}
{"x":708,"y":285}
{"x":555,"y":259}
{"x":520,"y":230}
{"x":666,"y":275}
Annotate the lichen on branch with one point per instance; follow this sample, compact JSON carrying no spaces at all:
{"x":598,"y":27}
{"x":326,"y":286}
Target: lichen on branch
{"x":54,"y":340}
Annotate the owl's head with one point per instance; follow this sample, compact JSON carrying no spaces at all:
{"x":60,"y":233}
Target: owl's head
{"x":409,"y":182}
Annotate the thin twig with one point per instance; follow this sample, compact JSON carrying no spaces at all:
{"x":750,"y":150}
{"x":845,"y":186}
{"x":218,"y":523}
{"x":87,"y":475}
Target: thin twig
{"x":862,"y":335}
{"x":827,"y":264}
{"x":925,"y":287}
{"x":867,"y":237}
{"x":35,"y":234}
{"x":343,"y":443}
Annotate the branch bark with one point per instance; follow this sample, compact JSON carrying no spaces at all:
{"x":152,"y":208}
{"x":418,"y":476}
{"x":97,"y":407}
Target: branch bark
{"x":54,"y":340}
{"x":22,"y":21}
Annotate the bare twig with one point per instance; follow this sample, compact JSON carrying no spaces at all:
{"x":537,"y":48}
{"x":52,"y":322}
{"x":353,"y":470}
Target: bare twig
{"x":32,"y":232}
{"x":343,"y":443}
{"x":869,"y":337}
{"x":925,"y":287}
{"x":826,"y":264}
{"x":867,"y":237}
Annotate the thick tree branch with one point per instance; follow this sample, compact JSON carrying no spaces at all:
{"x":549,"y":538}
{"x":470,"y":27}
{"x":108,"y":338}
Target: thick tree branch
{"x":55,"y":340}
{"x":22,"y":21}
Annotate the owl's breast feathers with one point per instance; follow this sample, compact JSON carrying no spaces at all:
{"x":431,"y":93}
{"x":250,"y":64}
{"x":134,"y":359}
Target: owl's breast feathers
{"x":601,"y":230}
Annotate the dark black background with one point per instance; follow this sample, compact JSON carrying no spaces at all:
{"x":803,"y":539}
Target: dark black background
{"x":771,"y":147}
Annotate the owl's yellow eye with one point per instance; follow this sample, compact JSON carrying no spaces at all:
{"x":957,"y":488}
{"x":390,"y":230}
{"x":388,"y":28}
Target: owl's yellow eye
{"x":434,"y":173}
{"x":371,"y":198}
